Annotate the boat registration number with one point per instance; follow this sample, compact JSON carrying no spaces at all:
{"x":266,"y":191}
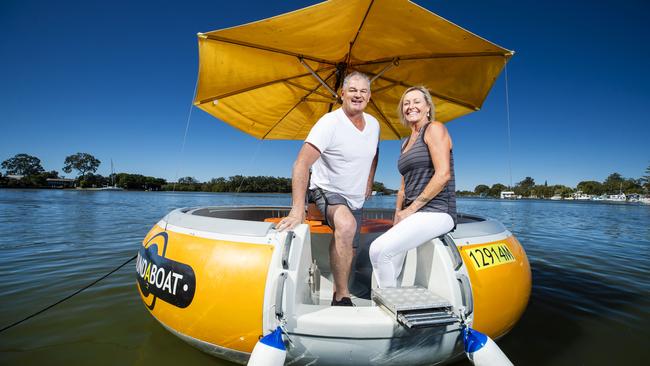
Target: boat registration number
{"x":490,"y":255}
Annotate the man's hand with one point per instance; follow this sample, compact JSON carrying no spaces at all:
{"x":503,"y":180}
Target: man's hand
{"x":295,"y":218}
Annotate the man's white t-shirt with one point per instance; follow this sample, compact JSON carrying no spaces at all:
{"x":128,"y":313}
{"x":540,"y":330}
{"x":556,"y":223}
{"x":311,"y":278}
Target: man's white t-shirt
{"x":346,"y":155}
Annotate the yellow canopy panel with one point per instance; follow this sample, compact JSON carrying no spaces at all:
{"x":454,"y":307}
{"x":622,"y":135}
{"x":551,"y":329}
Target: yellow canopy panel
{"x":261,"y":77}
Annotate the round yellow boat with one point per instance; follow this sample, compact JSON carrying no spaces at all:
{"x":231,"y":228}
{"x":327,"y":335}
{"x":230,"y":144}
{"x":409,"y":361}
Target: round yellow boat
{"x":222,"y":277}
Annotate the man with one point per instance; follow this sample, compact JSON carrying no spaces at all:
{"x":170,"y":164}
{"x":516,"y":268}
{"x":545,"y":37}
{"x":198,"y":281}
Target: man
{"x":342,"y":150}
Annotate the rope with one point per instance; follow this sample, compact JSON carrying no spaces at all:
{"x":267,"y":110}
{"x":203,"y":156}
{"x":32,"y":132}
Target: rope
{"x":187,"y":128}
{"x":508,"y":119}
{"x":250,"y":163}
{"x":69,"y":296}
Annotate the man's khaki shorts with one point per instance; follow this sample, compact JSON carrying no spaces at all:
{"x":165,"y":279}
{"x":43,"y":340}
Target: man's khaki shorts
{"x":324,"y":199}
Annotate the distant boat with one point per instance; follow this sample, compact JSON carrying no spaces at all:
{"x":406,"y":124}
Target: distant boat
{"x":582,"y":196}
{"x":645,"y":200}
{"x":599,"y":198}
{"x":616,"y":197}
{"x":112,"y":187}
{"x":509,"y":195}
{"x":620,"y":197}
{"x":556,"y":197}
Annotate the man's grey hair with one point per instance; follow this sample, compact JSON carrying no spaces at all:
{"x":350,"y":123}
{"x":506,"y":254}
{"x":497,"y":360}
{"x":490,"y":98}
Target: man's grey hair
{"x":356,"y":74}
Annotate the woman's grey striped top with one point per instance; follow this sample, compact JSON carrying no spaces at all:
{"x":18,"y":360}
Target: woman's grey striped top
{"x":417,"y":168}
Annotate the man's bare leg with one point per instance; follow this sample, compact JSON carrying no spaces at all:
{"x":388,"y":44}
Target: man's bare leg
{"x":341,"y":250}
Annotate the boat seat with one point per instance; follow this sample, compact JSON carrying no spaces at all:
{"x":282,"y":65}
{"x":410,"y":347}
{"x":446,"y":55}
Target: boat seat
{"x":314,"y":214}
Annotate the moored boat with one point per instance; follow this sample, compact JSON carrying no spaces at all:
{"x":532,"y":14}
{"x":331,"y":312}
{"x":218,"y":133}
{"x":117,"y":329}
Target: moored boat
{"x":222,"y":277}
{"x":616,"y":197}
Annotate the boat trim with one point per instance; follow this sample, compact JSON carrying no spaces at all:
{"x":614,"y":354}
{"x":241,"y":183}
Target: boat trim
{"x":191,"y":220}
{"x":477,"y":229}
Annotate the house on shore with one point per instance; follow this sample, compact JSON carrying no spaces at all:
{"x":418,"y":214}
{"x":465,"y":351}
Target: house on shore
{"x":60,"y":183}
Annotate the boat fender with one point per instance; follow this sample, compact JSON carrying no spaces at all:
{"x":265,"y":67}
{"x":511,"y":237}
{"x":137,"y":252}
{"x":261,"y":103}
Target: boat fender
{"x":482,"y":350}
{"x":269,"y":351}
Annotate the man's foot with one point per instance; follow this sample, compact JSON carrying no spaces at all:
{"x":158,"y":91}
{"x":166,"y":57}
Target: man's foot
{"x":345,"y":301}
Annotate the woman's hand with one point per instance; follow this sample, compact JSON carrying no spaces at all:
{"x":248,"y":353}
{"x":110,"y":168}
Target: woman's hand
{"x":401,"y":215}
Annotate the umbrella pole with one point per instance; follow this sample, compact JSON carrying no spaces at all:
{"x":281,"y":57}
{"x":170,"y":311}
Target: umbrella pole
{"x":302,"y":61}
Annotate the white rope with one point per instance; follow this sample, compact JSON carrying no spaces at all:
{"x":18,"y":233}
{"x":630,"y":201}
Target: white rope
{"x":250,"y":163}
{"x":187,"y":127}
{"x":508,"y":119}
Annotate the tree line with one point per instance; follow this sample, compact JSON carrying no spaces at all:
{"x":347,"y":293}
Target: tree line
{"x":33,"y":175}
{"x":615,"y":183}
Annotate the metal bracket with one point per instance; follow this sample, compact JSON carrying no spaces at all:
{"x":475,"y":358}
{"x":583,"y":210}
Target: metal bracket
{"x":302,"y":61}
{"x":393,"y":63}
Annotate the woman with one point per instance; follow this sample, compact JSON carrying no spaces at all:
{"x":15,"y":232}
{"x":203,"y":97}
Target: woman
{"x":426,"y":201}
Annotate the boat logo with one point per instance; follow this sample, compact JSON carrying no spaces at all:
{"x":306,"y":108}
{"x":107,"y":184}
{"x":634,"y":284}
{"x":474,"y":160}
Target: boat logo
{"x":171,"y":281}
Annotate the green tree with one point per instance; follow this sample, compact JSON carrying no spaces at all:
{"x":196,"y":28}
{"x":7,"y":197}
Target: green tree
{"x":524,"y":187}
{"x":91,"y":180}
{"x":23,"y":164}
{"x":153,"y":184}
{"x":591,"y":187}
{"x":544,"y":191}
{"x":645,"y":180}
{"x":81,"y":162}
{"x":481,"y":190}
{"x":613,"y":183}
{"x":218,"y":185}
{"x":632,"y":186}
{"x":187,"y":180}
{"x":562,"y":190}
{"x":495,"y":190}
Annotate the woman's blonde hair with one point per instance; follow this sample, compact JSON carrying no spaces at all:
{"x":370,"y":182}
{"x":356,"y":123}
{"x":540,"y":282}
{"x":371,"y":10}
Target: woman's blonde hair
{"x":427,"y":98}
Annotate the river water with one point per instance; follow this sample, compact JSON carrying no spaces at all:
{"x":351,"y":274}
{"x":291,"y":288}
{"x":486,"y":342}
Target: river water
{"x":590,"y":303}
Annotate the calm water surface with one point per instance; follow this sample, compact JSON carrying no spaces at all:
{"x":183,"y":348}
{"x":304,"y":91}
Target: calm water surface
{"x":590,"y":303}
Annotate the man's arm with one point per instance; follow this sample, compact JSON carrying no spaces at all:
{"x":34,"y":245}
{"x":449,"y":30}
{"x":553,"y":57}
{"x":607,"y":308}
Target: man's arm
{"x":299,"y":179}
{"x":371,"y":176}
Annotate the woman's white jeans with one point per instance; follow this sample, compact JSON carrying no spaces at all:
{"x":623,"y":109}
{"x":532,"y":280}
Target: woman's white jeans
{"x":388,"y":251}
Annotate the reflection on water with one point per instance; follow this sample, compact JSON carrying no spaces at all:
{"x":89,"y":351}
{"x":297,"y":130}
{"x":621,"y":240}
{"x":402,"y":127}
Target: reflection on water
{"x":590,"y":302}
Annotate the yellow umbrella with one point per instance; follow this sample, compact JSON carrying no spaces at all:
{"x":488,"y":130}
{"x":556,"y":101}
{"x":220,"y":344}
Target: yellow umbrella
{"x":275,"y":77}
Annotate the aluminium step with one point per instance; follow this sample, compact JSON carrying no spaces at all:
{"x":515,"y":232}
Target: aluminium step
{"x":415,"y":306}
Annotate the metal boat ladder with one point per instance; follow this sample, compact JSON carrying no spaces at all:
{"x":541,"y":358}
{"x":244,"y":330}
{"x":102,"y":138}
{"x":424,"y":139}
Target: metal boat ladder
{"x":415,"y":306}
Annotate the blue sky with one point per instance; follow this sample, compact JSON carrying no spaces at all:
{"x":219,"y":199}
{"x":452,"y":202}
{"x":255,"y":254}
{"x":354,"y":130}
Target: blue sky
{"x":115,"y":79}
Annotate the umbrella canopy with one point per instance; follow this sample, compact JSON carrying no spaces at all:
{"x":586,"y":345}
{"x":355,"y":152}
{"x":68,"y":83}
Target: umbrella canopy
{"x":276,"y":77}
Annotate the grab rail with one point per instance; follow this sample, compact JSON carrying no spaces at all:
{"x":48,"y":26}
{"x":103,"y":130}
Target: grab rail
{"x":279,"y":313}
{"x":286,"y":248}
{"x":466,"y":291}
{"x":453,"y":249}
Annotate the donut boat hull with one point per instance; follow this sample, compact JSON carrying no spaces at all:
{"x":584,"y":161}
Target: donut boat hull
{"x":222,"y":277}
